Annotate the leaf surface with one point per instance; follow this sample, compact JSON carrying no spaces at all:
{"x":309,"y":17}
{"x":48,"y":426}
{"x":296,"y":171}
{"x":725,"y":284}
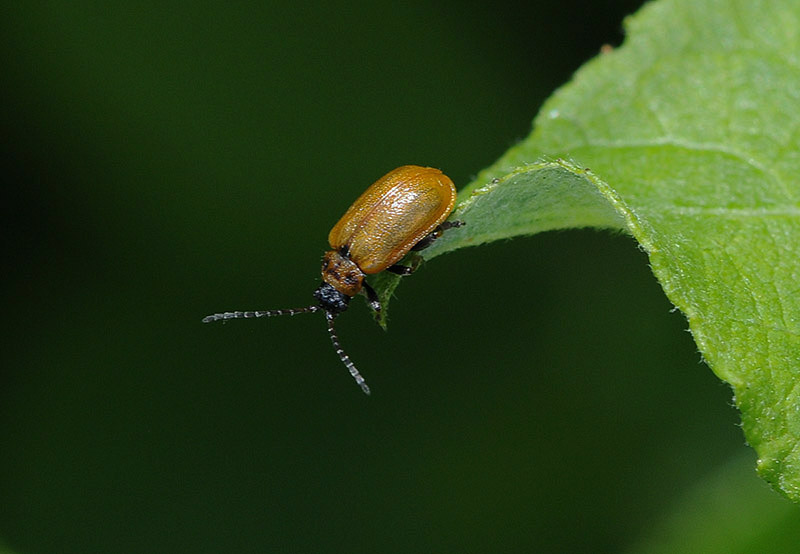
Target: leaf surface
{"x":688,"y":138}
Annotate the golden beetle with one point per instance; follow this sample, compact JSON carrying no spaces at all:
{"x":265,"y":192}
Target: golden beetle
{"x":402,"y":211}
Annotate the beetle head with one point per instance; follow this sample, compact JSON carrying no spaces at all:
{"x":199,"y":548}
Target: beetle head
{"x":330,"y":299}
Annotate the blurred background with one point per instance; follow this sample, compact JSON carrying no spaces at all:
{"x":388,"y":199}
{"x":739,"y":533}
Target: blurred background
{"x":171,"y":160}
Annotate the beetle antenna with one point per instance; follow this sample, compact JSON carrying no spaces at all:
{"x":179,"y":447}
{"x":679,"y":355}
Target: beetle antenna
{"x":348,"y":363}
{"x":269,"y":313}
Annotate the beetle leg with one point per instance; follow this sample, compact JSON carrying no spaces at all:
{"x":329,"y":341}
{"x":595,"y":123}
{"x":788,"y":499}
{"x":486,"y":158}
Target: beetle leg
{"x":435,"y":234}
{"x":372,"y":297}
{"x":415,"y":260}
{"x":401,"y":269}
{"x":451,"y":224}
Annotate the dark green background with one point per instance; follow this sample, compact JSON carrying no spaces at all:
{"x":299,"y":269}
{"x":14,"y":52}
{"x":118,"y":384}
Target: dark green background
{"x":171,"y":161}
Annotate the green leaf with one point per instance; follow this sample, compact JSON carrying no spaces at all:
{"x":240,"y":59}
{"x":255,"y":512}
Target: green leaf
{"x":729,"y":512}
{"x":692,"y":133}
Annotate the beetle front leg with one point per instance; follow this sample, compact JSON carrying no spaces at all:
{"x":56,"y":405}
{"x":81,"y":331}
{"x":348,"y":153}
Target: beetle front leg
{"x":372,"y":297}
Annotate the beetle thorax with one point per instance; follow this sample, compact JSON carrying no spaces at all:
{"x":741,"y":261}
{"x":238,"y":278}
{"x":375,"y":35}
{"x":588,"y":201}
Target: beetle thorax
{"x":342,"y":273}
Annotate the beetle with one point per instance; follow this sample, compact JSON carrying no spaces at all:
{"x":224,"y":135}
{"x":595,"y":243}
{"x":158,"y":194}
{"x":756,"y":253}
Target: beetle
{"x":402,"y":211}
